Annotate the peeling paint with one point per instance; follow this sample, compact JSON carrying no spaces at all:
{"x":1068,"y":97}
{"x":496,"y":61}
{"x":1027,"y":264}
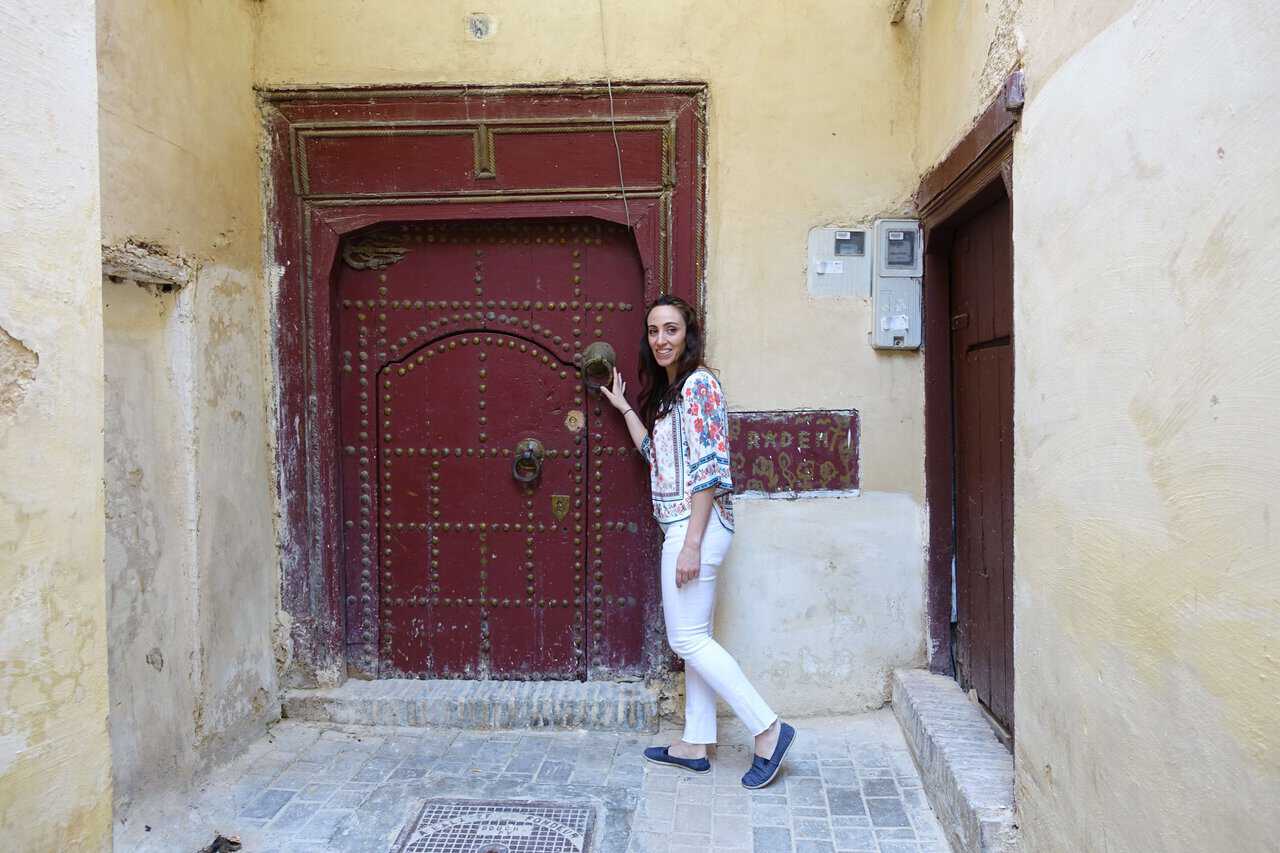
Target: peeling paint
{"x":966,"y":51}
{"x":192,"y":558}
{"x":18,"y":366}
{"x":55,"y":772}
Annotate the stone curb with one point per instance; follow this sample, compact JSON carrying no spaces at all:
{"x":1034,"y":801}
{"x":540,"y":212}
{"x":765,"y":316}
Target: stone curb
{"x":485,"y":705}
{"x":967,"y":773}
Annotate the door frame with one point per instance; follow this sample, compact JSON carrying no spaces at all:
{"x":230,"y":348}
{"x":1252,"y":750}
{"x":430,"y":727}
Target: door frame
{"x":667,"y":220}
{"x":977,"y":169}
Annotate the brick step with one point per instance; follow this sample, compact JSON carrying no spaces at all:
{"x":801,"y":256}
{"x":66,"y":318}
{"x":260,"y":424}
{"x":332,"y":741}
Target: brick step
{"x":967,"y":772}
{"x":485,"y":705}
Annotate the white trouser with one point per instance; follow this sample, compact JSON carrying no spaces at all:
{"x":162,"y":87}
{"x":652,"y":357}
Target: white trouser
{"x":709,"y":670}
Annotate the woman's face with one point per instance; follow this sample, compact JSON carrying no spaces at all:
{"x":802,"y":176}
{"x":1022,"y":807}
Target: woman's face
{"x":666,"y":334}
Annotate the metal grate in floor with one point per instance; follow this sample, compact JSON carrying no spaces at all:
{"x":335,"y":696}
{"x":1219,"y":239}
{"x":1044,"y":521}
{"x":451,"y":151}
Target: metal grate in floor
{"x":480,"y":826}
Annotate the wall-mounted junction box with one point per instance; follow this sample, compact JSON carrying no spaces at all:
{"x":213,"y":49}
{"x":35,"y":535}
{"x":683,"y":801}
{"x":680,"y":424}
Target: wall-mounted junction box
{"x":840,"y":262}
{"x":895,"y":298}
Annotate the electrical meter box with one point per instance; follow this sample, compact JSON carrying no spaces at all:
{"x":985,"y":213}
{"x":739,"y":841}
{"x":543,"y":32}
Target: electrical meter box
{"x":895,"y":297}
{"x":840,"y":262}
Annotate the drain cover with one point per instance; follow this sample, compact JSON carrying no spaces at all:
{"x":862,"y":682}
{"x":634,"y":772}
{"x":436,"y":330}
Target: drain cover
{"x":477,"y":826}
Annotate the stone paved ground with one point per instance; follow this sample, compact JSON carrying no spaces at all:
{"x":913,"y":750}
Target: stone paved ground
{"x":849,"y":785}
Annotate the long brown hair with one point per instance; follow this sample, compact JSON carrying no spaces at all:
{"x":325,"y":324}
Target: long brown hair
{"x":657,"y":394}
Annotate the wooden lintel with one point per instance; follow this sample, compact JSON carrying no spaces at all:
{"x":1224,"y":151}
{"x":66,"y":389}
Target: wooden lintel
{"x":145,"y":265}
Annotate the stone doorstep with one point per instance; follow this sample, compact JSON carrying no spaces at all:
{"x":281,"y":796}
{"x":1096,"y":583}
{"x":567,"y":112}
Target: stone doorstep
{"x":967,"y":773}
{"x":485,"y":705}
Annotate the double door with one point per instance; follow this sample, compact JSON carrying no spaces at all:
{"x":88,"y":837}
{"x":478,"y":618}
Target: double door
{"x":495,"y":514}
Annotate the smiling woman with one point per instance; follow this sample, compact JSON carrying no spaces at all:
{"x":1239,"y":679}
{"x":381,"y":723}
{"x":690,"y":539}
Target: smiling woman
{"x":684,"y":436}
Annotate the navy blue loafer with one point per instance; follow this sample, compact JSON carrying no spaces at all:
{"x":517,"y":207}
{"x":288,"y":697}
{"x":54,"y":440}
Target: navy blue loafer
{"x":764,"y":770}
{"x":660,"y":755}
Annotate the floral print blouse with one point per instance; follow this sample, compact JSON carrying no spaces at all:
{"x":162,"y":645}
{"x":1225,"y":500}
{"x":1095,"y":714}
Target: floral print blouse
{"x":689,"y":452}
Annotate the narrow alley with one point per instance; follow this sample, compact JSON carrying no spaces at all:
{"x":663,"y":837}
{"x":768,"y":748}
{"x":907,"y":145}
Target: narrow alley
{"x":413,"y":410}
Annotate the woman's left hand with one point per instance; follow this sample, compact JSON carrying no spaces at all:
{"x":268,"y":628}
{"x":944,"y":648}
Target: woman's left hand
{"x":688,"y":565}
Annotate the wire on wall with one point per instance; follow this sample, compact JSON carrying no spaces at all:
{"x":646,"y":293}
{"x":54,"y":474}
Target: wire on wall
{"x":613,"y":121}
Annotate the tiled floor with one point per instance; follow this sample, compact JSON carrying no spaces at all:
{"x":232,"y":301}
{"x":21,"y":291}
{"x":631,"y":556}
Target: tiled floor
{"x":849,"y":784}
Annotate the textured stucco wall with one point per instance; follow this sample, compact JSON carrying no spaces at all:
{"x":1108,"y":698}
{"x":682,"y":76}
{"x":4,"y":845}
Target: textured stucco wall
{"x":804,"y":130}
{"x":55,"y":782}
{"x":815,"y":597}
{"x":1147,"y":604}
{"x":1147,"y":334}
{"x":966,"y":50}
{"x":192,"y":562}
{"x":151,"y":518}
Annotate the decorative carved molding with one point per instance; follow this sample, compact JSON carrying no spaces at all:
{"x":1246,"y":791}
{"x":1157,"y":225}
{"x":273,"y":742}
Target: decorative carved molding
{"x":486,"y":166}
{"x":484,"y":141}
{"x":375,"y":250}
{"x":364,"y":93}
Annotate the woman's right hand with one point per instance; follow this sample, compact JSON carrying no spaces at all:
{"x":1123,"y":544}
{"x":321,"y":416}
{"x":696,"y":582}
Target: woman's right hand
{"x":617,"y":395}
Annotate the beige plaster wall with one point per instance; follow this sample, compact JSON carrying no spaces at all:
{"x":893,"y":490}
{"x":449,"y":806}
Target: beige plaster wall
{"x":805,"y":129}
{"x":816,"y":596}
{"x":151,"y":502}
{"x":55,"y":780}
{"x":966,"y":50}
{"x":1147,"y":596}
{"x":192,"y":562}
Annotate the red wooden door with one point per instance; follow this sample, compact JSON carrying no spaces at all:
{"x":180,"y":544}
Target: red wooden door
{"x":380,"y":200}
{"x":458,"y":342}
{"x":982,"y":393}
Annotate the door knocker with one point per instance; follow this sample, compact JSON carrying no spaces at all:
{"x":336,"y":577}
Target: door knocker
{"x":526,"y":464}
{"x":598,"y":361}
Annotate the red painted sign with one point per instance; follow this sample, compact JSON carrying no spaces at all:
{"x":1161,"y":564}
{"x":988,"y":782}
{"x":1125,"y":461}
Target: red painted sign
{"x":778,"y":452}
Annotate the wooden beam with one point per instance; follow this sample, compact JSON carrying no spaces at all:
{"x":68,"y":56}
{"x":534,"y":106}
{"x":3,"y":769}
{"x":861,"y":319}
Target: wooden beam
{"x":145,"y":264}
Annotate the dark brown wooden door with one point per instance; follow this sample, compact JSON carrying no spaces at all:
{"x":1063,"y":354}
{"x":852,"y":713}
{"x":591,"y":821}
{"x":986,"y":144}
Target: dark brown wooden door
{"x":458,"y":347}
{"x":981,"y":273}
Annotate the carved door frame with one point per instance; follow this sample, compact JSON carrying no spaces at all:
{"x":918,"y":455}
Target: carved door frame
{"x":308,"y":214}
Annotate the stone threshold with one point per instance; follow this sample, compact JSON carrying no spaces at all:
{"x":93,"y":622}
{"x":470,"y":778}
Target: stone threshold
{"x":484,"y":705}
{"x":967,"y":773}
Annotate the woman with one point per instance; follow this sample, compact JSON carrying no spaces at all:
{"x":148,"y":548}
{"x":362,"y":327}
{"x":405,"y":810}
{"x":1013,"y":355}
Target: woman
{"x":683,"y":431}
